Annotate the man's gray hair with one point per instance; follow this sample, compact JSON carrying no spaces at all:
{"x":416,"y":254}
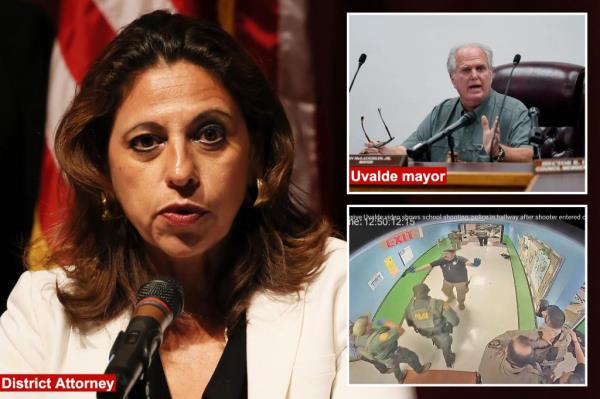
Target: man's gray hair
{"x":451,"y":63}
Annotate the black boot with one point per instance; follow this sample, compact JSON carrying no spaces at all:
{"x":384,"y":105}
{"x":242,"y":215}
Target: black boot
{"x":400,"y":375}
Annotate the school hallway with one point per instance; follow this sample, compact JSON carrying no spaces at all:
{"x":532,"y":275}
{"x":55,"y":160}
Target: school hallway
{"x":491,"y":309}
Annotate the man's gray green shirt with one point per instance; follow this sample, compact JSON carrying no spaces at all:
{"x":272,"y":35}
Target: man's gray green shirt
{"x":468,"y":140}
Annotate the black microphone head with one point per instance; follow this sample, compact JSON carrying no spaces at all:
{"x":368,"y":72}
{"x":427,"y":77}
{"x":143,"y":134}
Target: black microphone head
{"x":362,"y":58}
{"x":469,"y":117}
{"x":167,"y":290}
{"x":517,"y":59}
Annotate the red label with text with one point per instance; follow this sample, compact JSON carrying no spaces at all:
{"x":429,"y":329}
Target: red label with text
{"x":397,"y":175}
{"x":57,"y":382}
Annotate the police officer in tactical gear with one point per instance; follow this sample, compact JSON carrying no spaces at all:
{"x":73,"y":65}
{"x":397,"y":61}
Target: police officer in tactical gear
{"x":432,"y":318}
{"x":509,"y":359}
{"x":379,"y":346}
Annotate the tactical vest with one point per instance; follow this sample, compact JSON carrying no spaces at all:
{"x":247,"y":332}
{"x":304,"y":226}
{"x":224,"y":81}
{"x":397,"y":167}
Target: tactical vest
{"x":424,"y":315}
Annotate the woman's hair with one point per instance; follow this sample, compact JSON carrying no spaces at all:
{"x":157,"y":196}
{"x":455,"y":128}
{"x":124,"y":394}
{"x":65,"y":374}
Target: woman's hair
{"x":278,"y":246}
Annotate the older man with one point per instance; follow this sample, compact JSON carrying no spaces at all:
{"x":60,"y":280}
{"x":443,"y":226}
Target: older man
{"x":470,"y":69}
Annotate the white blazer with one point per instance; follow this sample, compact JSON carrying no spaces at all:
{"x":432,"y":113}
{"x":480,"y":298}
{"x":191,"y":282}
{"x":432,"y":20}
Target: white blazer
{"x":296,"y":345}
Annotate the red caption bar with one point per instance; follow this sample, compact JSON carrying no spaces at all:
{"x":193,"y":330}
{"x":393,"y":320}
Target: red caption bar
{"x":397,"y":175}
{"x":57,"y":382}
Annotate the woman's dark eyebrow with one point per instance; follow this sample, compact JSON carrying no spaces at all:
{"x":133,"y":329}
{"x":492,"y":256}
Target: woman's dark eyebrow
{"x":150,"y":126}
{"x":212,"y":112}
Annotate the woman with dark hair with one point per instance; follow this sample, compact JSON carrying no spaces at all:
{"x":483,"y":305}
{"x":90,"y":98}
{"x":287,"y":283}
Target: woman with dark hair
{"x":179,"y":157}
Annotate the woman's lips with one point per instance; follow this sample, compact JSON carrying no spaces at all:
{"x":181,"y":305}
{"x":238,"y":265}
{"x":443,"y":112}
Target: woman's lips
{"x":182,"y":214}
{"x":181,"y":219}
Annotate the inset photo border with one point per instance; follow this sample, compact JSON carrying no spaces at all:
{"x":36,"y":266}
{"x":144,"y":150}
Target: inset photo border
{"x":410,"y":102}
{"x":467,"y":295}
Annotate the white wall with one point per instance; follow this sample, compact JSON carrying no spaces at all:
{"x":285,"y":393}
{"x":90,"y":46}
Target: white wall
{"x":405,"y":72}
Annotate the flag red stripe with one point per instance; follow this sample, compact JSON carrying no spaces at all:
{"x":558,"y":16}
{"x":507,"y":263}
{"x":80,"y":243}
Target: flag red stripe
{"x":265,"y":39}
{"x":54,"y":193}
{"x":259,"y":38}
{"x":187,"y":7}
{"x":83,"y":32}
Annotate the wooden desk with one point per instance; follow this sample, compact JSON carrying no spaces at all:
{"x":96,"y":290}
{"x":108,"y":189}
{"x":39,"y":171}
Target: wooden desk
{"x":513,"y":176}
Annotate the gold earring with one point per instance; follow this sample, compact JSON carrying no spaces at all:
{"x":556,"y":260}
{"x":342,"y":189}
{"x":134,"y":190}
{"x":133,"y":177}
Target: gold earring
{"x":106,"y":215}
{"x":261,"y":193}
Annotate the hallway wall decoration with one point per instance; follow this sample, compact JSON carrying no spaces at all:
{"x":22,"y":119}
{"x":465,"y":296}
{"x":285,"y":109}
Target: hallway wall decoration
{"x":541,"y":263}
{"x":575,"y":311}
{"x":406,"y":254}
{"x":391,"y":266}
{"x":375,"y":281}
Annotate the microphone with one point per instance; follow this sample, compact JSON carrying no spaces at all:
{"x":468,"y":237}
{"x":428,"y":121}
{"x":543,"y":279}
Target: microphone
{"x":516,"y":60}
{"x":420,"y":148}
{"x":159,"y":302}
{"x":536,"y":138}
{"x":361,"y":61}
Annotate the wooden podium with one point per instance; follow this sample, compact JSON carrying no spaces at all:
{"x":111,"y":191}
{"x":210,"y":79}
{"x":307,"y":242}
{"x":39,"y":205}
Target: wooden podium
{"x":498,"y":176}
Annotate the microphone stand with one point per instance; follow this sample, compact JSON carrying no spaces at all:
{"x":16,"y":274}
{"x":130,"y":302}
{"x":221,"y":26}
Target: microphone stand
{"x":355,"y":73}
{"x":451,"y":146}
{"x":536,"y":138}
{"x":516,"y":60}
{"x":422,"y":150}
